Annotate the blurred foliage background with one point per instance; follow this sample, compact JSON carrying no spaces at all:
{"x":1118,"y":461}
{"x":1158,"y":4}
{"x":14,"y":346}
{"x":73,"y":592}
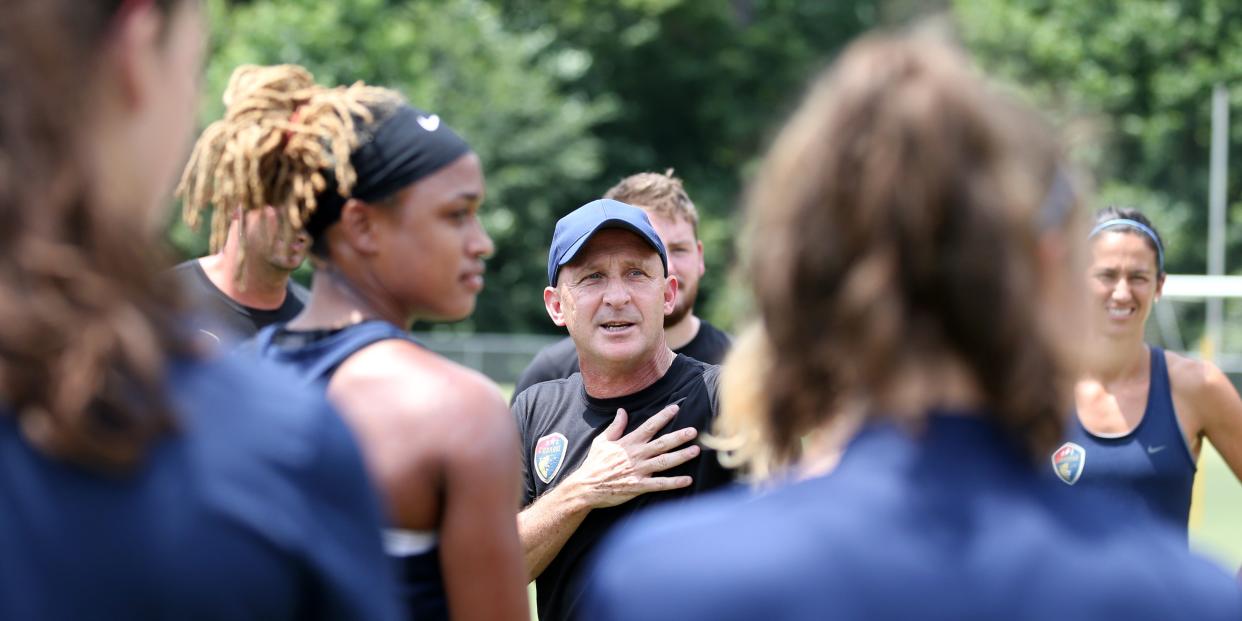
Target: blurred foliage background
{"x":562,"y":98}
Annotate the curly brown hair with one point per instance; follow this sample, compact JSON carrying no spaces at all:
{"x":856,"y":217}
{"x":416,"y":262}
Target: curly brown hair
{"x":895,"y":225}
{"x":85,"y":331}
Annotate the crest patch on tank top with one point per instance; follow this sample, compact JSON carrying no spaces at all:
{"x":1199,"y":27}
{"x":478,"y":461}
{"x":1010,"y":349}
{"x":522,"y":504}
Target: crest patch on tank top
{"x":550,"y":456}
{"x":1068,"y":462}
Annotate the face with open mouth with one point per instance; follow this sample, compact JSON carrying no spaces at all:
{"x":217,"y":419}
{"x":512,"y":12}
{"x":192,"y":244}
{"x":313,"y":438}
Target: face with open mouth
{"x":1124,"y":282}
{"x":613,"y":299}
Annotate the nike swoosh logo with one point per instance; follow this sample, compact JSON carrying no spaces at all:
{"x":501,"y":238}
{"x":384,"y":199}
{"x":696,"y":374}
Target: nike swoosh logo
{"x":430,"y":123}
{"x":1152,"y":450}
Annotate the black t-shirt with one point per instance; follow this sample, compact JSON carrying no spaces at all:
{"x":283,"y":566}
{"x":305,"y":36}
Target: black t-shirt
{"x":223,"y":317}
{"x":558,"y":420}
{"x":560,"y":359}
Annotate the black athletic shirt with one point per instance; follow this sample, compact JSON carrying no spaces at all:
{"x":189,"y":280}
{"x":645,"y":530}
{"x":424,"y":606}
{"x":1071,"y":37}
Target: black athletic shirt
{"x":560,"y":359}
{"x":558,"y":420}
{"x":224,"y":318}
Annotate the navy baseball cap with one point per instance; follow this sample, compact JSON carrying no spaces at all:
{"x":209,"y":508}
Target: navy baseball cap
{"x":580,"y":225}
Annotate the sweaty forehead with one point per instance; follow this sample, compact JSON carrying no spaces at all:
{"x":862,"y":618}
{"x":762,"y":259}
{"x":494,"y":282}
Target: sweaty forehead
{"x":1123,"y":241}
{"x":1123,"y":246}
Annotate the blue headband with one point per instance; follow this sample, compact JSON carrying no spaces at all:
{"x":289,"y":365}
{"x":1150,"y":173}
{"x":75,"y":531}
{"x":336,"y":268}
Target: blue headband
{"x":1140,"y":227}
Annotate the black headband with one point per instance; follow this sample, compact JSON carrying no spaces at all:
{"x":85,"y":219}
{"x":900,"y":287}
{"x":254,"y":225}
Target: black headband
{"x":407,"y":146}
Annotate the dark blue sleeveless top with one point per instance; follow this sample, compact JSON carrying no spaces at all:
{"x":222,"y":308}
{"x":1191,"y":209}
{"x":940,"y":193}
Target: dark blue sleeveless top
{"x":1152,"y":462}
{"x":315,"y":356}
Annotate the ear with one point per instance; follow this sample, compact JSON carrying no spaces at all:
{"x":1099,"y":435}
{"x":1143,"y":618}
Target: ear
{"x":702,"y":265}
{"x":360,"y":226}
{"x":1160,"y":286}
{"x":670,"y":294}
{"x":553,"y":304}
{"x":135,"y":44}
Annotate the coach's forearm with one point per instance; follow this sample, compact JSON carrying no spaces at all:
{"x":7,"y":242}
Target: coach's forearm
{"x":547,"y":524}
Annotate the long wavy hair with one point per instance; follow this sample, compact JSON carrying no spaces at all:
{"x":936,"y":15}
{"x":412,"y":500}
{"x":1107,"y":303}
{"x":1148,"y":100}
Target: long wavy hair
{"x":895,"y":224}
{"x":85,"y":332}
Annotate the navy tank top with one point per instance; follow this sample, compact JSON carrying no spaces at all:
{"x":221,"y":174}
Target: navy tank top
{"x":315,"y":355}
{"x":1152,"y":463}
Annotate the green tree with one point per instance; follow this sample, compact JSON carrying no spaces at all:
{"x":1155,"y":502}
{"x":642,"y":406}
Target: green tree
{"x":1131,"y":83}
{"x":700,"y":86}
{"x":497,"y":88}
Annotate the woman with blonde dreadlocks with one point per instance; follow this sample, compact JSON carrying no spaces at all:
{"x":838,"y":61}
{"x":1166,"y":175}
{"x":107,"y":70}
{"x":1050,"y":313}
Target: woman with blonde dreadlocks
{"x":143,"y":477}
{"x":389,"y":196}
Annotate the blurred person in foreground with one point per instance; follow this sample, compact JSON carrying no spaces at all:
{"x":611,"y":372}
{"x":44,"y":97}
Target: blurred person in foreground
{"x":739,"y":432}
{"x":608,"y":441}
{"x":917,"y":258}
{"x":143,"y":475}
{"x":1141,"y":413}
{"x":389,"y":196}
{"x":676,"y":221}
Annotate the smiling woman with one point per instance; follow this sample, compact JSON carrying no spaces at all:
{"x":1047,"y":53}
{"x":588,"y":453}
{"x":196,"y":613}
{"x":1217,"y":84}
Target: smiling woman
{"x":389,"y":196}
{"x":1141,"y":412}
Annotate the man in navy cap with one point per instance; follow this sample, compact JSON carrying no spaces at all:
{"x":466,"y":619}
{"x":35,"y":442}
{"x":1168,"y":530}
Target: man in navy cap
{"x":616,"y":436}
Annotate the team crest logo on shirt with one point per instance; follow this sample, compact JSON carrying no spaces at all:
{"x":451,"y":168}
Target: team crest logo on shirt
{"x":550,"y":456}
{"x":1068,"y":462}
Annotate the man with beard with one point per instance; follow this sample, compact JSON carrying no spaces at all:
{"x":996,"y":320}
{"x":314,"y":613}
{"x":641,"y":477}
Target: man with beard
{"x":676,"y":220}
{"x":246,"y":285}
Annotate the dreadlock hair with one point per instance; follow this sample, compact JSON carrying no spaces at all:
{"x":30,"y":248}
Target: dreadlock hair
{"x":280,"y":133}
{"x":85,"y":330}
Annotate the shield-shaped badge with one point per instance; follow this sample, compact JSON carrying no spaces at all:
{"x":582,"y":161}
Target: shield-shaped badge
{"x":550,"y":456}
{"x":1068,"y":462}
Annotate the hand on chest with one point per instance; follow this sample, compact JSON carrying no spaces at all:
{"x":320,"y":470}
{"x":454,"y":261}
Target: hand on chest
{"x":564,"y":443}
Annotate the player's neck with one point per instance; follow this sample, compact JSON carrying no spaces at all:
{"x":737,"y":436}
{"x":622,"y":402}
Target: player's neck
{"x":1114,"y":360}
{"x":606,"y":381}
{"x":336,"y":302}
{"x":257,"y":286}
{"x":681,"y":333}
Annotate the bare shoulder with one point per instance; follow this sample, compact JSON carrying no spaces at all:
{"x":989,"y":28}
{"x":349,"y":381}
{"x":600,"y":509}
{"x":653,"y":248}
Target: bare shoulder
{"x":1201,"y":384}
{"x":403,"y":377}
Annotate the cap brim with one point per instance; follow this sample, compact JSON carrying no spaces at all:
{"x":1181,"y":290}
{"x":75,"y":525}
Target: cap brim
{"x":611,"y":223}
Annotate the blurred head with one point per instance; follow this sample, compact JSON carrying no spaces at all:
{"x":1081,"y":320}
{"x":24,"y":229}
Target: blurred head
{"x":265,"y":238}
{"x":388,"y":194}
{"x":95,"y":113}
{"x":1126,"y":272}
{"x":676,"y":220}
{"x":908,"y":218}
{"x":609,"y":285}
{"x":740,"y":431}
